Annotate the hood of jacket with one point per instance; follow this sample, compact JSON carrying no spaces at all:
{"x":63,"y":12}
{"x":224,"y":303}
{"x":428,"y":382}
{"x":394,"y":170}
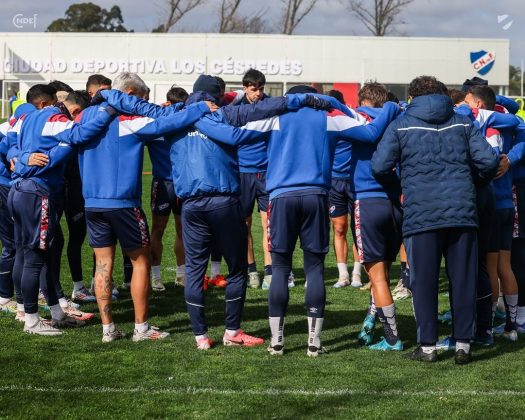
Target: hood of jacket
{"x":433,"y":109}
{"x":199,"y":96}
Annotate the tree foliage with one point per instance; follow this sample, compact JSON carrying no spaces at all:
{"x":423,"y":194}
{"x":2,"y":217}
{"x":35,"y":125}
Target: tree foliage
{"x":515,"y":76}
{"x":88,"y":17}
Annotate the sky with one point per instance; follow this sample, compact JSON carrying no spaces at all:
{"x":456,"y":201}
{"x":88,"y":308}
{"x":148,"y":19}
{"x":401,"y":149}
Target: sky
{"x":423,"y":18}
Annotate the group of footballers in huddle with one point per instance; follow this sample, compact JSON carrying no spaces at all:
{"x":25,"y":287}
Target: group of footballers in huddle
{"x":306,"y":159}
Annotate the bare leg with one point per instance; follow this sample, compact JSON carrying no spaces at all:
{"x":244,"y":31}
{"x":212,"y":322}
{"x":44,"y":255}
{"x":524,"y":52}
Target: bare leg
{"x":103,"y":284}
{"x":140,"y":283}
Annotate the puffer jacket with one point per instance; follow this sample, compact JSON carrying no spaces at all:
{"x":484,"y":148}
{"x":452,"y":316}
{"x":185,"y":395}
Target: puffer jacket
{"x":438,"y":153}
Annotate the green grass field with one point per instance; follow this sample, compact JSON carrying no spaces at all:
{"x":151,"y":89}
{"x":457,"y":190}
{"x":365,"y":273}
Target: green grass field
{"x":76,"y":376}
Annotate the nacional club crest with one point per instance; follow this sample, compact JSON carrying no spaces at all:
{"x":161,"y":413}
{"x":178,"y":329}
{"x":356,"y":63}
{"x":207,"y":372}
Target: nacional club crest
{"x":482,"y":61}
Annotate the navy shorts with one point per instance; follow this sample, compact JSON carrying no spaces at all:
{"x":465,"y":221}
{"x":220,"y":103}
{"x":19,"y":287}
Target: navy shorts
{"x":299,"y":216}
{"x":36,"y":216}
{"x":253,"y":187}
{"x":340,"y":197}
{"x":376,"y":229}
{"x":128,"y":226}
{"x":518,"y":196}
{"x":501,"y":232}
{"x":163,"y":198}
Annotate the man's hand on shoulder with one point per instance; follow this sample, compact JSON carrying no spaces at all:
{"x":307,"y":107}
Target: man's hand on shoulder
{"x":212,"y":106}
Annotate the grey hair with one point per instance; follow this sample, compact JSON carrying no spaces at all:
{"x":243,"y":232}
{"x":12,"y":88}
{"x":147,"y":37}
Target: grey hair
{"x":127,"y":80}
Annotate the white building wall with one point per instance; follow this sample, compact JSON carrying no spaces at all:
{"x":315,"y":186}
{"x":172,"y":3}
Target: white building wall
{"x":164,"y":59}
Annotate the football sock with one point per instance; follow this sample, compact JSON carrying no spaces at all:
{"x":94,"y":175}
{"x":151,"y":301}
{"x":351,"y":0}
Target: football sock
{"x":200,"y":337}
{"x":494,"y":308}
{"x":520,"y":318}
{"x":108,"y":328}
{"x":77,"y":285}
{"x":277,"y":329}
{"x":462,"y":345}
{"x":428,"y":349}
{"x":511,"y":307}
{"x":315,"y":326}
{"x":357,"y":268}
{"x":233,"y":333}
{"x":387,"y":316}
{"x":252,"y":268}
{"x":31,"y":319}
{"x":57,"y":312}
{"x":20,"y":307}
{"x":343,"y":269}
{"x":215,"y":268}
{"x":155,"y":272}
{"x":63,"y":302}
{"x":501,"y":302}
{"x":3,"y":301}
{"x":268,"y":270}
{"x":372,"y":310}
{"x":181,"y":270}
{"x":142,"y":328}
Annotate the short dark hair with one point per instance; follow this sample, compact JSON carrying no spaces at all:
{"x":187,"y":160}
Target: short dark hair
{"x":475,"y":81}
{"x":39,"y":93}
{"x":391,"y":97}
{"x":80,"y":98}
{"x":253,"y":78}
{"x":60,"y":86}
{"x":98,"y":80}
{"x":222,"y":83}
{"x":485,"y":94}
{"x":176,"y":94}
{"x":426,"y":85}
{"x":302,"y":89}
{"x":337,"y":95}
{"x":457,"y":95}
{"x":374,"y":92}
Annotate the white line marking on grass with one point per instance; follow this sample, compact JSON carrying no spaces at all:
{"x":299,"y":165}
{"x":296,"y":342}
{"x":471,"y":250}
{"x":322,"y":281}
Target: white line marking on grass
{"x":272,"y":391}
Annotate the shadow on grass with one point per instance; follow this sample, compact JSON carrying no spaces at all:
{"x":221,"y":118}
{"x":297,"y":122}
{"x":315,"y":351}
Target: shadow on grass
{"x":170,"y":306}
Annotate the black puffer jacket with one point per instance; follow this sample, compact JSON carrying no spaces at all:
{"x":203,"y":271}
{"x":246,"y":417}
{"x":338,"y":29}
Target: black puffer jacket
{"x":438,"y":153}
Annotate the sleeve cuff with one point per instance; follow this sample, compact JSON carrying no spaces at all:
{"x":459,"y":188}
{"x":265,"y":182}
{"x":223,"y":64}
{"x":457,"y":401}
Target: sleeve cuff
{"x":24,"y":158}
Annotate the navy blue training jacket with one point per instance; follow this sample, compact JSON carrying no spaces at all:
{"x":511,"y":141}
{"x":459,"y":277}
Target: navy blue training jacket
{"x":438,"y":152}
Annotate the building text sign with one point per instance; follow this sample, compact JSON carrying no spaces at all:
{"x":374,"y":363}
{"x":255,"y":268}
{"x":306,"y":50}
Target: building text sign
{"x":229,"y":66}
